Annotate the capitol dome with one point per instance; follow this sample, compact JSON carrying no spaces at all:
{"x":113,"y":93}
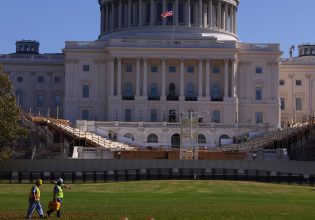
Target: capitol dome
{"x":186,"y":19}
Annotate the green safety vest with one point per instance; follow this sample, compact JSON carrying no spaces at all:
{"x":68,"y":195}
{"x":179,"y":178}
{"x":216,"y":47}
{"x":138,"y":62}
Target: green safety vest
{"x":37,"y":193}
{"x":59,"y":195}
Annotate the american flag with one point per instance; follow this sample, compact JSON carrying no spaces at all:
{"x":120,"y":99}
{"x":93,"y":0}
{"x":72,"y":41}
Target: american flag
{"x":166,"y":13}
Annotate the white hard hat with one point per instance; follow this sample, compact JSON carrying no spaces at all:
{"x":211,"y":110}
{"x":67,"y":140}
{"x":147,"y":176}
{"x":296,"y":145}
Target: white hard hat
{"x":60,"y":180}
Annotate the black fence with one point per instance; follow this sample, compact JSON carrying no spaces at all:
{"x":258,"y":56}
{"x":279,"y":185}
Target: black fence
{"x":159,"y":174}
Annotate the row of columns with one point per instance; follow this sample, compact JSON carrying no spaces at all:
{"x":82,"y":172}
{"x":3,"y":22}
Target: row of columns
{"x":227,"y":95}
{"x":221,"y":15}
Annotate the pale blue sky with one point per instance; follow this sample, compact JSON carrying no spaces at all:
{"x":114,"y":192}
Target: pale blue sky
{"x":52,"y":22}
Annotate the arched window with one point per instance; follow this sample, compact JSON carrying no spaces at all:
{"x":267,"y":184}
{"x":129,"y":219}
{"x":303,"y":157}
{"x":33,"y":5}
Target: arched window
{"x":190,"y":90}
{"x":130,"y":136}
{"x":128,"y":89}
{"x":153,"y":90}
{"x":172,"y":89}
{"x":223,"y":136}
{"x":152,"y":138}
{"x":175,"y":141}
{"x":19,"y":97}
{"x":201,"y":139}
{"x":215,"y":92}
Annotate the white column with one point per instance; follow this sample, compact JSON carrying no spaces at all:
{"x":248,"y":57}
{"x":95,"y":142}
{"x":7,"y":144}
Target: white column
{"x":270,"y":89}
{"x":182,"y":78}
{"x":249,"y":80}
{"x":176,"y":12}
{"x":145,"y":77}
{"x":152,"y":17}
{"x":235,"y":9}
{"x":120,"y":15}
{"x":207,"y":78}
{"x":111,"y":78}
{"x":309,"y":92}
{"x":118,"y":76}
{"x":163,"y":77}
{"x":112,"y":17}
{"x":276,"y":81}
{"x":129,"y":13}
{"x":226,"y":16}
{"x":226,"y":78}
{"x":138,"y":77}
{"x":164,"y":8}
{"x":210,"y":10}
{"x":188,"y":13}
{"x":231,"y":19}
{"x":200,"y":13}
{"x":219,"y":15}
{"x":234,"y":82}
{"x":140,"y":13}
{"x":106,"y":18}
{"x":204,"y":16}
{"x":200,"y":78}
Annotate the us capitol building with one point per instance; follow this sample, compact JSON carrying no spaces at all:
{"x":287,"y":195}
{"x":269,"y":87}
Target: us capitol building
{"x":147,"y":74}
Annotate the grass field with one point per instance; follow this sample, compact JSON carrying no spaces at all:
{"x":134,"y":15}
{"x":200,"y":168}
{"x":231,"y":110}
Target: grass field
{"x":169,"y":200}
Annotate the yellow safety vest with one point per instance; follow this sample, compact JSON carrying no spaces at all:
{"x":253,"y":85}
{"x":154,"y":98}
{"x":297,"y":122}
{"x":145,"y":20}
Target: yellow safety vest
{"x":37,"y":193}
{"x":59,"y":195}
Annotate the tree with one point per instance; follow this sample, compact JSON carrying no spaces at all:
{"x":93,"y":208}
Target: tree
{"x":10,"y":128}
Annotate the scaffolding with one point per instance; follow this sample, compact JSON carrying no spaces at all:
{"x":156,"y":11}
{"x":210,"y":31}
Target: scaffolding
{"x":189,"y":136}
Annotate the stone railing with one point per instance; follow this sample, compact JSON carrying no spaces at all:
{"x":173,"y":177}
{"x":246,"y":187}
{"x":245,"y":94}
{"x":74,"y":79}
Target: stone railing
{"x":44,"y":57}
{"x":259,"y":47}
{"x":92,"y":124}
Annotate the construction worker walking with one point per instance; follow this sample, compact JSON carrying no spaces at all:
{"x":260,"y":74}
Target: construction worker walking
{"x":34,"y":200}
{"x":58,"y":195}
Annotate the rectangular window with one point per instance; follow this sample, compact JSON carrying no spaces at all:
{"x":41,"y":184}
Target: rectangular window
{"x":259,"y":70}
{"x":153,"y":115}
{"x":282,"y":103}
{"x":258,"y":93}
{"x":298,"y":82}
{"x":85,"y":115}
{"x":86,"y":68}
{"x":40,"y":79}
{"x":298,"y":104}
{"x":40,"y":101}
{"x":154,"y":69}
{"x":216,"y":117}
{"x":172,"y":69}
{"x":57,"y":100}
{"x":57,"y":79}
{"x":127,"y":114}
{"x":216,"y":69}
{"x":190,"y":69}
{"x":281,"y":82}
{"x":128,"y":68}
{"x":258,"y":117}
{"x":86,"y":91}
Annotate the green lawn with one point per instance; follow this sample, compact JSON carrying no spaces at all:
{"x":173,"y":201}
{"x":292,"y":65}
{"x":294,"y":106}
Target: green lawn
{"x":170,"y":200}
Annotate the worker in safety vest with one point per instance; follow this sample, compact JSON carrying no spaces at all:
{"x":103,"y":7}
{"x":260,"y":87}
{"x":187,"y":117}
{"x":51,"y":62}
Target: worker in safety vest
{"x":58,"y":195}
{"x":34,"y":200}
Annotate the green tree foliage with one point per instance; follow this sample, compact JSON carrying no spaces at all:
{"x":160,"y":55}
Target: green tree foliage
{"x":10,"y":128}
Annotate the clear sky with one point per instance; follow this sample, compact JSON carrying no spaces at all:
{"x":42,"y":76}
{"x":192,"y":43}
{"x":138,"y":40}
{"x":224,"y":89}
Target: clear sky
{"x":52,"y":22}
